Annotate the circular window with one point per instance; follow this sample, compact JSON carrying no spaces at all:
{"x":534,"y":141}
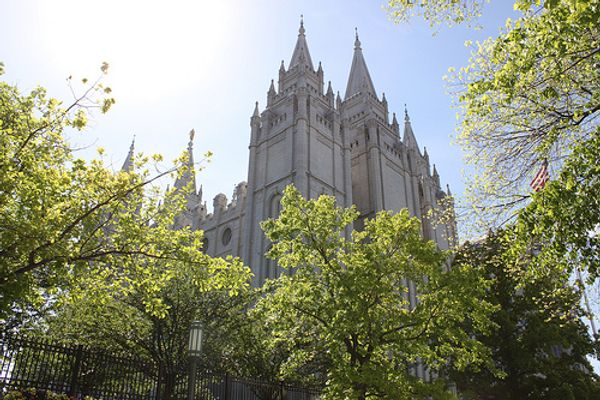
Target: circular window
{"x":226,"y":238}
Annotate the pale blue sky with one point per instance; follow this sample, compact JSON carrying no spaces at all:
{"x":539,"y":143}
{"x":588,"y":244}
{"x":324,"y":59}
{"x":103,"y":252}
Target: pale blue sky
{"x":180,"y":65}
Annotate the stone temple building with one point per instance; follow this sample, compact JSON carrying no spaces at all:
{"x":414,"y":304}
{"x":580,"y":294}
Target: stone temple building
{"x":323,"y":144}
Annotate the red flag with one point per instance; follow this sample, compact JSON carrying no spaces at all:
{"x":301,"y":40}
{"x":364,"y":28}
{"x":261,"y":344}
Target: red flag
{"x":541,"y":177}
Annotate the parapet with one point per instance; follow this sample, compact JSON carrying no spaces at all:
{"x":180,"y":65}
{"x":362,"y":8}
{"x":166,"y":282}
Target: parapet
{"x":221,"y":208}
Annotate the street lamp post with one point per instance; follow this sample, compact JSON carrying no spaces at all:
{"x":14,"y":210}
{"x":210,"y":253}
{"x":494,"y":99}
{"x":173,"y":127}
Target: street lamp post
{"x":194,"y":351}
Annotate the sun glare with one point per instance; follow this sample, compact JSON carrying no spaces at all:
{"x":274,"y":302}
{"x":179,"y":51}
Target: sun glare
{"x":154,"y":48}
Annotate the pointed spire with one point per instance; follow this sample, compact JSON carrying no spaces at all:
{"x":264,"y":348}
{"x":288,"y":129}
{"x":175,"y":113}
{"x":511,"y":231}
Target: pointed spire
{"x":395,"y":122}
{"x":359,"y":79}
{"x":301,"y":56}
{"x":436,"y":176}
{"x":385,"y":107}
{"x":255,"y":124}
{"x":190,"y":150}
{"x":409,"y":136}
{"x":330,"y":96}
{"x":282,"y":67}
{"x":448,"y":190}
{"x":338,"y":100}
{"x":188,"y":175}
{"x":128,"y":164}
{"x":271,"y":93}
{"x":425,"y":155}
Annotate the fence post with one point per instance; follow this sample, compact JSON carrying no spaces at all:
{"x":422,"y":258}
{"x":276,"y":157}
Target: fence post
{"x":226,"y":394}
{"x":74,"y":386}
{"x":157,"y":394}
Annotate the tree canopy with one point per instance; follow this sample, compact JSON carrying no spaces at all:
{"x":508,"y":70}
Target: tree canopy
{"x":529,"y":96}
{"x":353,"y":300}
{"x":541,"y":348}
{"x":122,"y":322}
{"x":63,"y":218}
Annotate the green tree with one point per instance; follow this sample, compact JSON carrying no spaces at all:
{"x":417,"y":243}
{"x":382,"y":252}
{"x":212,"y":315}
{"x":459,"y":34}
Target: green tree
{"x":529,"y":95}
{"x":436,"y":11}
{"x":541,"y":349}
{"x":63,"y":218}
{"x":122,"y":322}
{"x":348,"y":300}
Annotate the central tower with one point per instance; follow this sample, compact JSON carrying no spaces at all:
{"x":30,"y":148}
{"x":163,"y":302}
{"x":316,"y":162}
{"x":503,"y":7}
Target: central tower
{"x":297,"y":140}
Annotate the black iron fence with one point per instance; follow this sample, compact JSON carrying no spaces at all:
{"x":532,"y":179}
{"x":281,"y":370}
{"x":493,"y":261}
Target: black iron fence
{"x":79,"y":371}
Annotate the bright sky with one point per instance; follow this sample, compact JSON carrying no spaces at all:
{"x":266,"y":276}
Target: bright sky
{"x":177,"y":65}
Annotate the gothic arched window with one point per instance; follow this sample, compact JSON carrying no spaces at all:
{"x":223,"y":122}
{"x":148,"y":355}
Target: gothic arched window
{"x":275,"y":206}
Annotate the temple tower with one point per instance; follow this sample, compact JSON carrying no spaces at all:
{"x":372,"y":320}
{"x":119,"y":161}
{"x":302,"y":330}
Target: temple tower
{"x":389,"y":172}
{"x":295,"y":139}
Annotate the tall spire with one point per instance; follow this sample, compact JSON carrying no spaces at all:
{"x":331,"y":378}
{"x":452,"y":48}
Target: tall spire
{"x":128,"y":164}
{"x":188,"y":175}
{"x":330,"y":96}
{"x":395,"y":125}
{"x":271,"y":94}
{"x":301,"y":56}
{"x":359,"y":79}
{"x":409,"y":137}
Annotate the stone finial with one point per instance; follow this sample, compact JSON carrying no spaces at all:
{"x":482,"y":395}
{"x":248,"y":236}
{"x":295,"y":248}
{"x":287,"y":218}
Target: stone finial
{"x":356,"y":40}
{"x":256,"y":113}
{"x":301,"y":30}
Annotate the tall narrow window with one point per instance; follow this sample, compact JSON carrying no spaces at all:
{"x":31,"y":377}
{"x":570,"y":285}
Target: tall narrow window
{"x":275,"y":206}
